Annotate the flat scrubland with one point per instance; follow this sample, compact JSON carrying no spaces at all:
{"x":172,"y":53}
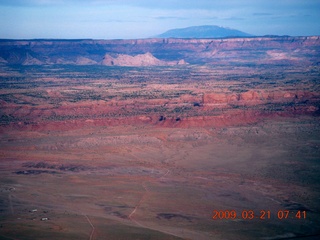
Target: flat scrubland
{"x":96,"y":152}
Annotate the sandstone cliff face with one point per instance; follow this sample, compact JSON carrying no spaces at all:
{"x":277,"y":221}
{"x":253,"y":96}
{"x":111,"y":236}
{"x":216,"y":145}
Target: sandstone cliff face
{"x":213,"y":109}
{"x":263,"y":50}
{"x":146,"y":59}
{"x":258,"y":96}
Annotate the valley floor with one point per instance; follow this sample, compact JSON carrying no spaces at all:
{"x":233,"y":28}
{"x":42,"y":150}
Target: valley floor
{"x":162,"y":183}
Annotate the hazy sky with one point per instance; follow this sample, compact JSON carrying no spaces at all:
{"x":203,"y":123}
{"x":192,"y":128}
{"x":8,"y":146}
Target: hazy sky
{"x":112,"y":19}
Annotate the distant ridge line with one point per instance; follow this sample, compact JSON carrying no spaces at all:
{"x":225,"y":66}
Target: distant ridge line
{"x":153,"y":38}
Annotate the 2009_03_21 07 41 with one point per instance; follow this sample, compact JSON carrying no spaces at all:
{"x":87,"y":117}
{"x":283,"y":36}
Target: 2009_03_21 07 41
{"x":262,"y":214}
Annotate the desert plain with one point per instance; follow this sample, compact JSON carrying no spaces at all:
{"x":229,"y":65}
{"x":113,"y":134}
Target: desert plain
{"x":156,"y":141}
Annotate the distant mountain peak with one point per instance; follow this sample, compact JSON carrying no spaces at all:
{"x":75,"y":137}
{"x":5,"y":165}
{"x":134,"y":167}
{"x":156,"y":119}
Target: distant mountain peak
{"x":205,"y":31}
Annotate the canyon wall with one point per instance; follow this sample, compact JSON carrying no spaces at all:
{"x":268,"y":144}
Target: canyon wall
{"x":261,"y":50}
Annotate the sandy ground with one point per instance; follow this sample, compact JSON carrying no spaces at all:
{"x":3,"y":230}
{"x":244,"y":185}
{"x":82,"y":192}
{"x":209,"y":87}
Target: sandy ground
{"x":162,"y":183}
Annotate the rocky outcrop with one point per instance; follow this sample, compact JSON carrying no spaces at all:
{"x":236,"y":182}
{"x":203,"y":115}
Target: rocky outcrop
{"x":85,"y":61}
{"x":139,"y":60}
{"x":258,"y":96}
{"x":201,"y":109}
{"x":31,"y":60}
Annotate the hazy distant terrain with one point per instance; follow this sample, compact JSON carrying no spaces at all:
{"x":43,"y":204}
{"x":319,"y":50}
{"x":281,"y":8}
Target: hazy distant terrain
{"x":257,"y":51}
{"x":160,"y":138}
{"x":207,"y":31}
